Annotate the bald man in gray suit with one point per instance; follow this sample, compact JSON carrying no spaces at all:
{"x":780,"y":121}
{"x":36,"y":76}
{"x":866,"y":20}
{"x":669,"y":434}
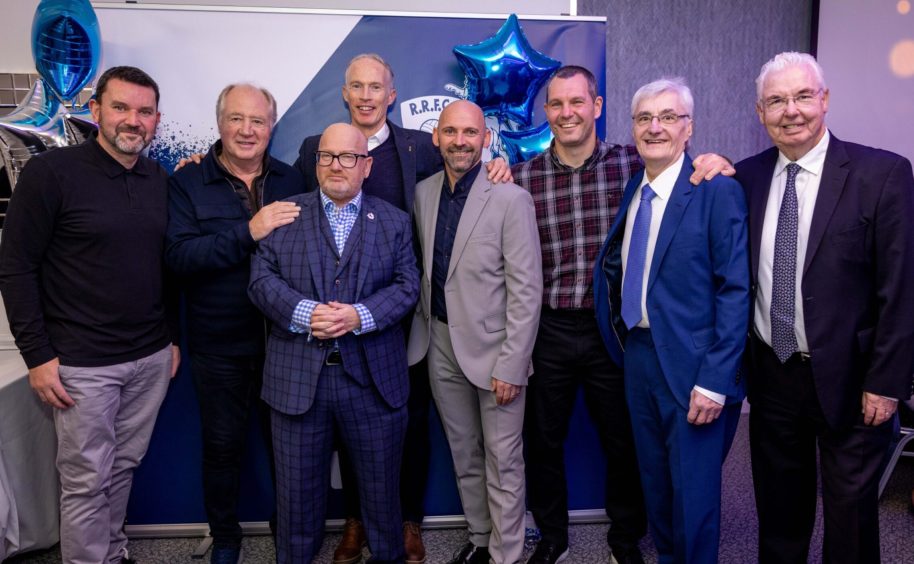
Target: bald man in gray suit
{"x":477,"y":319}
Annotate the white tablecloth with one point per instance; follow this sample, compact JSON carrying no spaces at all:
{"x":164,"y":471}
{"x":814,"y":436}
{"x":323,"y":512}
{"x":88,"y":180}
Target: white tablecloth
{"x":29,"y":514}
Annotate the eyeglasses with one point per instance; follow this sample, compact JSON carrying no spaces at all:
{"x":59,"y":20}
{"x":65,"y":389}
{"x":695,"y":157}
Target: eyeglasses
{"x":347,"y":160}
{"x":644,"y":119}
{"x":802,"y":100}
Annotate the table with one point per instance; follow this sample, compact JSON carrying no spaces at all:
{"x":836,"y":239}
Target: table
{"x":29,"y":511}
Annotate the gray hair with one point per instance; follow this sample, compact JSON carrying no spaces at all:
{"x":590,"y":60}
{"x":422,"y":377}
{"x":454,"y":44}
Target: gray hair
{"x":657,"y":87}
{"x":374,"y":57}
{"x":220,"y":101}
{"x":789,"y":59}
{"x":569,"y":71}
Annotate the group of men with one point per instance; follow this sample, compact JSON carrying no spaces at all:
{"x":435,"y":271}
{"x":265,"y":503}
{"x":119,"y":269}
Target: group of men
{"x":312,"y":287}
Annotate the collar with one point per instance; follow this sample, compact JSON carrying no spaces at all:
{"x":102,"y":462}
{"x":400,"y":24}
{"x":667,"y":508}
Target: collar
{"x":466,"y":181}
{"x":813,"y":161}
{"x":598,"y":150}
{"x":329,"y":206}
{"x":111,"y":166}
{"x":379,"y":137}
{"x":666,"y":180}
{"x":214,"y":170}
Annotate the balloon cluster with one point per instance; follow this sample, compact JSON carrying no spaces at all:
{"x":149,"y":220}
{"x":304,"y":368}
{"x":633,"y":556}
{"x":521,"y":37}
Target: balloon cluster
{"x":65,"y":47}
{"x":504,"y":74}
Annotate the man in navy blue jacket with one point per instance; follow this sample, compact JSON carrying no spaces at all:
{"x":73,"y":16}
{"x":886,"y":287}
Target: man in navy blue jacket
{"x":218,"y":210}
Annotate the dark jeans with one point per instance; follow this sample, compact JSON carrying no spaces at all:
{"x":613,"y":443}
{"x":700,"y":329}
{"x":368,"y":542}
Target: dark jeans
{"x":416,"y":452}
{"x":226,"y":387}
{"x":569,"y":354}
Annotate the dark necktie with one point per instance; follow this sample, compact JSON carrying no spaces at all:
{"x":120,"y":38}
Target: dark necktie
{"x":784,"y":271}
{"x":637,"y":252}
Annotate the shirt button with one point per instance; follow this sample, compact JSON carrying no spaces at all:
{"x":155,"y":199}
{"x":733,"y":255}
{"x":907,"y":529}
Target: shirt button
{"x":337,"y":282}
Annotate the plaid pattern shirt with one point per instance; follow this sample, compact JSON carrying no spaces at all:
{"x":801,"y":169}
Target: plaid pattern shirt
{"x":341,"y":222}
{"x":574,"y":210}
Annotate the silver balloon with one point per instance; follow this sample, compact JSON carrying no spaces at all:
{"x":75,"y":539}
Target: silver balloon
{"x":40,"y":122}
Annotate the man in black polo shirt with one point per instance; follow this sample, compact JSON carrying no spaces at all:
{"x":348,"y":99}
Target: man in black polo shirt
{"x":82,"y":280}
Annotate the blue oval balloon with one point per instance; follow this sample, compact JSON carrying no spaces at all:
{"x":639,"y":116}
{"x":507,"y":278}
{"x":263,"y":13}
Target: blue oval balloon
{"x":65,"y":45}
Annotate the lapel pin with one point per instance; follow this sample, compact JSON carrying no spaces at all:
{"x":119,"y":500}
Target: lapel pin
{"x":370,"y":215}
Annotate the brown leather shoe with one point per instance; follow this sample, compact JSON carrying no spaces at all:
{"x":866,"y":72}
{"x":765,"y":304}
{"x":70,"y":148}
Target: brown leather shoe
{"x":349,"y":551}
{"x":412,"y":542}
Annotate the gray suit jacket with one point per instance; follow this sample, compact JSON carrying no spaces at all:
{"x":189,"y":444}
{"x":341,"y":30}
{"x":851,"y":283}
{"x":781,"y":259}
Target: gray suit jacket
{"x":494,"y":283}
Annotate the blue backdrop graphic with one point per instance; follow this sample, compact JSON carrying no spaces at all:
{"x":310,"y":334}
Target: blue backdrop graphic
{"x":167,"y":487}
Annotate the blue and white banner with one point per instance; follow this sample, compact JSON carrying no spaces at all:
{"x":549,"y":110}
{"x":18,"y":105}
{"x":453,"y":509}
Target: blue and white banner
{"x":301,"y":56}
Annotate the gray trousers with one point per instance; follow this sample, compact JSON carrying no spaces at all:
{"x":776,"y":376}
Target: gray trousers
{"x":487,"y":448}
{"x":100,"y":441}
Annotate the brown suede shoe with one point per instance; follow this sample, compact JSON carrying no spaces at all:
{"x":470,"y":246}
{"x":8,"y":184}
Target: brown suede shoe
{"x":412,"y":542}
{"x":349,"y":551}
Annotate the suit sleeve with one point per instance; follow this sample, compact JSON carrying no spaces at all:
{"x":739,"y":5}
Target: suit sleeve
{"x":27,"y":233}
{"x":391,"y":303}
{"x":268,"y":290}
{"x":892,"y":361}
{"x":524,"y":284}
{"x":730,"y":271}
{"x":187,"y":249}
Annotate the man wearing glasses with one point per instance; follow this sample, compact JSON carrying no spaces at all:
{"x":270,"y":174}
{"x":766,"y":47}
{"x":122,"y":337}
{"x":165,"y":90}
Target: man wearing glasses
{"x":401,"y":158}
{"x":336,"y":284}
{"x":671,"y":288}
{"x":831,"y":345}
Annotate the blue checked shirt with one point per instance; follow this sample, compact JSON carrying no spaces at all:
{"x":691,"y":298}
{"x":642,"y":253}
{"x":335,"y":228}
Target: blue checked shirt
{"x":341,"y":222}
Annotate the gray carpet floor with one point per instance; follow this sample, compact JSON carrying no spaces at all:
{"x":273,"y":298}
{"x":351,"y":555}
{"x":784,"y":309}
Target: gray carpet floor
{"x":588,"y":544}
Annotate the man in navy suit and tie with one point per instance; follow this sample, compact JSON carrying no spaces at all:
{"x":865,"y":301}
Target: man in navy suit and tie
{"x":831,"y":347}
{"x":671,"y":287}
{"x":336,"y":284}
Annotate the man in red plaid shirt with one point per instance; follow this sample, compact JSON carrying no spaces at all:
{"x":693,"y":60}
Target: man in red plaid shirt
{"x":577,"y":186}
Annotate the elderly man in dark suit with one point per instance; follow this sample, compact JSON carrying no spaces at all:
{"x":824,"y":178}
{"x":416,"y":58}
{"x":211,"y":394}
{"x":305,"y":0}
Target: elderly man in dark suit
{"x":831,"y":347}
{"x":336,"y":284}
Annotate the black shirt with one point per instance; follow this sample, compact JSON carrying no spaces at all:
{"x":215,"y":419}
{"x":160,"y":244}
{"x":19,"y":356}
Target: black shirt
{"x":450,"y":208}
{"x":81,"y":258}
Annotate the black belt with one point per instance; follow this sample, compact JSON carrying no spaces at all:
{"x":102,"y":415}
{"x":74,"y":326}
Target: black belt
{"x":441,"y":318}
{"x":334,"y":358}
{"x":797,"y":357}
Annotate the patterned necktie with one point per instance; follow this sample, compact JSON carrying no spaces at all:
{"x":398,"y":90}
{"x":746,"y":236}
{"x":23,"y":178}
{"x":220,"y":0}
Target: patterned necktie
{"x":784,"y":271}
{"x":633,"y":278}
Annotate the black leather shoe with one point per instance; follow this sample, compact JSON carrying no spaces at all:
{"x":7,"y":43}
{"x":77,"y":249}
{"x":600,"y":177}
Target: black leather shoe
{"x":548,"y":553}
{"x":471,"y":554}
{"x":627,"y":555}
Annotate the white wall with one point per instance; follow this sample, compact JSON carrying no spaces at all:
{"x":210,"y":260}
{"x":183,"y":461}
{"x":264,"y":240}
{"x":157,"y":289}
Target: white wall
{"x":16,"y":16}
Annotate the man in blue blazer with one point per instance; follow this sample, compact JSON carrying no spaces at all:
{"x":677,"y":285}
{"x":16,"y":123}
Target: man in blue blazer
{"x":671,"y":287}
{"x":336,"y":284}
{"x":831,"y":348}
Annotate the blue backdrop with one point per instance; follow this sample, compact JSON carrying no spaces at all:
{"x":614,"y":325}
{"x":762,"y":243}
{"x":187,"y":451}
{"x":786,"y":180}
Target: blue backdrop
{"x":167,"y":486}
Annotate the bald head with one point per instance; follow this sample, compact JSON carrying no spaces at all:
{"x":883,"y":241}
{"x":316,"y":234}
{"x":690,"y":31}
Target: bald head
{"x":460,"y":136}
{"x":343,"y":145}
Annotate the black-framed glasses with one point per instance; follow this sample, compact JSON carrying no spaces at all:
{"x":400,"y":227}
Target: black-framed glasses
{"x":666,"y":118}
{"x":804,"y":99}
{"x":347,"y":160}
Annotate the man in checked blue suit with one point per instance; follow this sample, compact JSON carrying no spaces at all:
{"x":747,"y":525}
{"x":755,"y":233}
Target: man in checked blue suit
{"x":671,"y":288}
{"x":336,"y":284}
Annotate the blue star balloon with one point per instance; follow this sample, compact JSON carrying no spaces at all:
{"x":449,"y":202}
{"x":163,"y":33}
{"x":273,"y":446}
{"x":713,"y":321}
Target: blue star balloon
{"x":504,"y":73}
{"x":65,"y":45}
{"x":521,"y":145}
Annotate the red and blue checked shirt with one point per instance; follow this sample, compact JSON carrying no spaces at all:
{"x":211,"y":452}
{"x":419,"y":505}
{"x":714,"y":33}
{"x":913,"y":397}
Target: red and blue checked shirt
{"x":574,"y":211}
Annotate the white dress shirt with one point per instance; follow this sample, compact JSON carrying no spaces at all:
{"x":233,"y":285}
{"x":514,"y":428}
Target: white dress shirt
{"x":663,"y":188}
{"x":379,"y":137}
{"x":808,"y":179}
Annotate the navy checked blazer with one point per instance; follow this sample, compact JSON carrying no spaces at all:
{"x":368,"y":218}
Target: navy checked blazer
{"x":289,"y":266}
